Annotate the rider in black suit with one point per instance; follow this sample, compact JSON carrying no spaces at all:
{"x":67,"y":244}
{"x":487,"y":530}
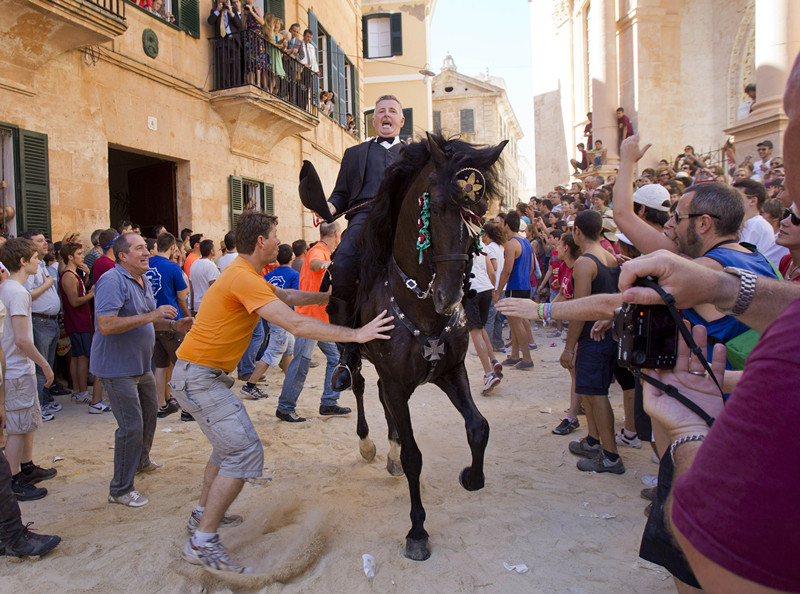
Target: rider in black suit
{"x":359,"y":177}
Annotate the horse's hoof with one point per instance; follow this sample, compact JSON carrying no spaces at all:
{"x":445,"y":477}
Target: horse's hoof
{"x":394,"y":467}
{"x":367,"y":448}
{"x":417,"y":550}
{"x":463,"y":478}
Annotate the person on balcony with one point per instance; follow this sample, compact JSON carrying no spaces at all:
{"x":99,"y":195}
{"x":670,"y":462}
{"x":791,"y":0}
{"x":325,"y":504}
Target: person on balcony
{"x":226,"y":22}
{"x":255,"y":46}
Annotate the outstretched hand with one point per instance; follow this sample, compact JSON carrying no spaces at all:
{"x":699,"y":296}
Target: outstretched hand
{"x":629,"y":149}
{"x":376,"y":329}
{"x":690,"y":378}
{"x":518,"y":308}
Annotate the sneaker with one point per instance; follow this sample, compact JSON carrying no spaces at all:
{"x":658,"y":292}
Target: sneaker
{"x":211,"y":555}
{"x":650,"y":480}
{"x":244,"y":377}
{"x":170,"y":407}
{"x":30,"y":544}
{"x":497,"y":368}
{"x":38,"y":474}
{"x":601,"y":464}
{"x":25,"y":491}
{"x":648,"y":493}
{"x":510,"y":362}
{"x":151,"y":466}
{"x":228,"y":520}
{"x":186,"y":416}
{"x":46,"y":416}
{"x":334,"y":409}
{"x":524,"y":365}
{"x":566,"y":427}
{"x":81,"y":397}
{"x":56,"y":390}
{"x":533,"y":346}
{"x":582,"y":448}
{"x":255,"y":392}
{"x":290,"y":417}
{"x":490,"y":380}
{"x":99,"y":408}
{"x":131,"y":499}
{"x":629,"y":442}
{"x":51,"y":407}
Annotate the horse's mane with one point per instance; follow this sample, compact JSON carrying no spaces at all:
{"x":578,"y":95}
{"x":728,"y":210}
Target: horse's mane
{"x":377,"y":238}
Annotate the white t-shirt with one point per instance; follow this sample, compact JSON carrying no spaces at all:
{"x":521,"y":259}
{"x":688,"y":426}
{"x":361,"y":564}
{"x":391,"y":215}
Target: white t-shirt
{"x":759,"y":232}
{"x":17,"y":302}
{"x":497,"y":253}
{"x":202,"y":273}
{"x":776,"y":252}
{"x":480,"y":281}
{"x":226,"y":259}
{"x":47,"y":303}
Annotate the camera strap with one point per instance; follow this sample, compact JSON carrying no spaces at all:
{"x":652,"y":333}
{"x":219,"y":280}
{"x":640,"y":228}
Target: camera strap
{"x":670,"y":390}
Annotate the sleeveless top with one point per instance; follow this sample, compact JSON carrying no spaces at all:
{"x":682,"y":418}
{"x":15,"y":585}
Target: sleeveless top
{"x":520,"y":279}
{"x":606,"y":281}
{"x":76,"y":319}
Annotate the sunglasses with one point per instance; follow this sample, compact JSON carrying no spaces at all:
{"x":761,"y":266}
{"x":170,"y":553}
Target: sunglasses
{"x":679,"y":217}
{"x":788,"y":213}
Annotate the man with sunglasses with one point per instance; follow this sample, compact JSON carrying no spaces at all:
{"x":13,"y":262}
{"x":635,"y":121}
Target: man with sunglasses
{"x":761,"y":166}
{"x":755,"y":228}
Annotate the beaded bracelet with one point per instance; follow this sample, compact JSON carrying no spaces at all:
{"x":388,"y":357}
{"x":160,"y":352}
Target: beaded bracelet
{"x":540,"y":311}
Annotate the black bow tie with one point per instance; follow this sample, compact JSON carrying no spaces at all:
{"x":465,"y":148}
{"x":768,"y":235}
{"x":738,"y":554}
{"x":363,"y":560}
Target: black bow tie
{"x":383,"y":139}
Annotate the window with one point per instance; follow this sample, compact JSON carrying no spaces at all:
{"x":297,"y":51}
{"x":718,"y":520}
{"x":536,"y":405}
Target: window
{"x":183,"y":14}
{"x":467,"y":121}
{"x":25,"y":169}
{"x":383,"y":35}
{"x":437,"y":120}
{"x":322,"y":59}
{"x":249,"y":194}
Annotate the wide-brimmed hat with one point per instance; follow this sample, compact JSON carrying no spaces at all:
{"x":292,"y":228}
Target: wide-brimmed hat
{"x":610,"y":230}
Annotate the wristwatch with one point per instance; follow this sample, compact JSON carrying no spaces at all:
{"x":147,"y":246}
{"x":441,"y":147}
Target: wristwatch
{"x":747,"y":290}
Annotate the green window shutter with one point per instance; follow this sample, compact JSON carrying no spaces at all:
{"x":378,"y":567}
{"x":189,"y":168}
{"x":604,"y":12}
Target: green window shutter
{"x":268,"y":191}
{"x":364,"y":34}
{"x":395,"y":23}
{"x":236,"y":198}
{"x":190,"y":17}
{"x":275,"y":7}
{"x":34,"y":182}
{"x":333,"y":70}
{"x":313,"y":24}
{"x":342,"y":88}
{"x":356,"y":107}
{"x":407,"y":131}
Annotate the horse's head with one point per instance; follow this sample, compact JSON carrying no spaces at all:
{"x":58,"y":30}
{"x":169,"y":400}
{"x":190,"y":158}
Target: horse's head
{"x":457,"y":198}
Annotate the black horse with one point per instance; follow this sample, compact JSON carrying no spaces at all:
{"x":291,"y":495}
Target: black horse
{"x":417,"y":245}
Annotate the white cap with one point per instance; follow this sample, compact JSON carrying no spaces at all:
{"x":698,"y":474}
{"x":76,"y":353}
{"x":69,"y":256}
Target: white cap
{"x":653,"y":195}
{"x":624,"y":239}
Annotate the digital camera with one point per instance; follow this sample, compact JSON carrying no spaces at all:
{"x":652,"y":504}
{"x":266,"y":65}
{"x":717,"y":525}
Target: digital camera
{"x":646,"y":335}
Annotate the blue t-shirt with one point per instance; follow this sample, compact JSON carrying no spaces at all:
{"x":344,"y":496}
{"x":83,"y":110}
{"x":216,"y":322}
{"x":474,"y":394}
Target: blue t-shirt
{"x":166,"y":279}
{"x":284,"y":277}
{"x":127,"y":354}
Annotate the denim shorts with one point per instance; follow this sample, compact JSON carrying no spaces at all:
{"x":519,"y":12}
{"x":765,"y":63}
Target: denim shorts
{"x":281,"y":344}
{"x":205,"y":394}
{"x":594,"y":366}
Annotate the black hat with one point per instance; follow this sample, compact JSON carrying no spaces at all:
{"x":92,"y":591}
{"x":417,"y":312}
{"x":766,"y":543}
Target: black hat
{"x":767,"y":143}
{"x":311,"y":193}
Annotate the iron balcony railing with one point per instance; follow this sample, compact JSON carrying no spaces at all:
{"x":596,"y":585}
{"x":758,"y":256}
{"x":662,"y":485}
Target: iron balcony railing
{"x":248,"y":58}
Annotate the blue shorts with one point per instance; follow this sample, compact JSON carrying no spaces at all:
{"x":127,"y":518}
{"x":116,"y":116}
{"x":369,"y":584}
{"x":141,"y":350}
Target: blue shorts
{"x":81,"y":343}
{"x":594,"y":366}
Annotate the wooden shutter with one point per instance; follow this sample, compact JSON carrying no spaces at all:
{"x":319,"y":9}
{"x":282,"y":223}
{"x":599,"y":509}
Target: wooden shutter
{"x":407,"y":131}
{"x":396,"y":27}
{"x":342,"y":88}
{"x":333,"y":72}
{"x":190,"y":17}
{"x":313,"y":24}
{"x":236,"y":198}
{"x":356,"y":107}
{"x":268,"y":191}
{"x":275,"y":7}
{"x":365,"y":34}
{"x":34,"y":182}
{"x":467,"y":121}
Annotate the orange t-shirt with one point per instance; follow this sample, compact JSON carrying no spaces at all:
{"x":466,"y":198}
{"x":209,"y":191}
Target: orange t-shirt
{"x":311,"y":280}
{"x":187,"y":264}
{"x":224,"y":325}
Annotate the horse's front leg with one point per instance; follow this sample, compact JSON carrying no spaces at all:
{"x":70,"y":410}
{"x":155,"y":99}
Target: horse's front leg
{"x":365,"y":445}
{"x":396,"y":402}
{"x":456,"y":385}
{"x":393,"y":464}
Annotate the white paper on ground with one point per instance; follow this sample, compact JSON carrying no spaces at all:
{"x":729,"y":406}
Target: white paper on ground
{"x":519,"y":568}
{"x":369,"y":565}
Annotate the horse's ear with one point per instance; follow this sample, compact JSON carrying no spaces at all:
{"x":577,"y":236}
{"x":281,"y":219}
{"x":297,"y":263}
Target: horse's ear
{"x":437,"y":155}
{"x":495,"y":151}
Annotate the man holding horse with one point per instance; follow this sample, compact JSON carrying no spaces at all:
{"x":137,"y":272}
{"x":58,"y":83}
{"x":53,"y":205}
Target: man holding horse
{"x":230,"y":310}
{"x":356,"y":187}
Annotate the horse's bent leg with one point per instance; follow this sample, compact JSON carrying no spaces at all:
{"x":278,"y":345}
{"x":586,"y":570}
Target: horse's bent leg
{"x":417,"y":547}
{"x":393,"y":464}
{"x":456,"y":385}
{"x":365,"y":446}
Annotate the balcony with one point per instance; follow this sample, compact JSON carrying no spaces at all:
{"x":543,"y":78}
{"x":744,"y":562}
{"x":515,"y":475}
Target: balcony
{"x":34,"y":32}
{"x":261,"y":102}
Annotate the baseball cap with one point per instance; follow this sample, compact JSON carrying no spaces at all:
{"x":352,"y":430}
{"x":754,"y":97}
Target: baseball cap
{"x":623,"y":238}
{"x":654,"y":196}
{"x":767,"y":143}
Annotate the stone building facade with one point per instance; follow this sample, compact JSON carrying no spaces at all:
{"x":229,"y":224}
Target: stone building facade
{"x":109,"y":111}
{"x":677,"y":67}
{"x":477,"y":110}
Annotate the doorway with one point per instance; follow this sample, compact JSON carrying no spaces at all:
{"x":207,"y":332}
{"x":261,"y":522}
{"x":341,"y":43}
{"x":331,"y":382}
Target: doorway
{"x":142,"y":190}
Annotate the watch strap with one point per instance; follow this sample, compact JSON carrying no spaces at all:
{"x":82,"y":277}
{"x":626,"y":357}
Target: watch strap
{"x":747,"y":290}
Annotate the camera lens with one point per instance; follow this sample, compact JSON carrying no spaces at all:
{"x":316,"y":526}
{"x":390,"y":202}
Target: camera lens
{"x":638,"y":357}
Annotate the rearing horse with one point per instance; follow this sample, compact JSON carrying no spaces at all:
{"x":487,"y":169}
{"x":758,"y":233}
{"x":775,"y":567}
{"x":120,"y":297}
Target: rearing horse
{"x":416,"y":256}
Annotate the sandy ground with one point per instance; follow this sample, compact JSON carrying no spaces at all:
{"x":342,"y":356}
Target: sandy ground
{"x":307,"y":529}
